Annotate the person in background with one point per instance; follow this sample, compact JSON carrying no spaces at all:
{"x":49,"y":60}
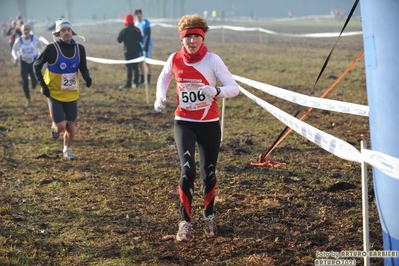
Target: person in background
{"x":19,"y":21}
{"x":61,"y":81}
{"x":131,"y":38}
{"x":214,"y":14}
{"x":52,"y":27}
{"x":4,"y":28}
{"x":13,"y":33}
{"x":205,"y":14}
{"x":31,"y":22}
{"x":197,"y":73}
{"x":145,"y":27}
{"x":25,"y":51}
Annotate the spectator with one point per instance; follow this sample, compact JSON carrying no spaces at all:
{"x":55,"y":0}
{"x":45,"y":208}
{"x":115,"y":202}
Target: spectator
{"x":130,"y":35}
{"x":31,"y":23}
{"x":214,"y":14}
{"x":221,"y":15}
{"x":205,"y":14}
{"x":145,"y":27}
{"x":4,"y":28}
{"x":19,"y":21}
{"x":52,"y":27}
{"x":13,"y":33}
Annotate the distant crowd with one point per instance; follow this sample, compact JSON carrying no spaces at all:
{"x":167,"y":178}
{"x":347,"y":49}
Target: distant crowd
{"x":12,"y":29}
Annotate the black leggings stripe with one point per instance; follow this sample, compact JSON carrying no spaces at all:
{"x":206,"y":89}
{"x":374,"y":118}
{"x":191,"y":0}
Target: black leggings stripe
{"x":207,"y":137}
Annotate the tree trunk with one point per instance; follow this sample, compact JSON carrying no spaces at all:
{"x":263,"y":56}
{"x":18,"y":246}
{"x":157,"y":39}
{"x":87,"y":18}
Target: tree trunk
{"x":68,"y":7}
{"x":162,"y":8}
{"x":22,"y":9}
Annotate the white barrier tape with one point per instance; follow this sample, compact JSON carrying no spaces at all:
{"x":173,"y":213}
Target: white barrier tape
{"x":43,"y":40}
{"x":383,"y":162}
{"x":115,"y":62}
{"x":309,"y":101}
{"x":110,"y":61}
{"x":163,"y":25}
{"x":326,"y":141}
{"x":235,"y":28}
{"x":323,"y":35}
{"x":305,"y":35}
{"x":155,"y":62}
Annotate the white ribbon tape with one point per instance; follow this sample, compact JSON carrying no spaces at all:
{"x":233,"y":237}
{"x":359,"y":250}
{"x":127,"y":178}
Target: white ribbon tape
{"x":305,"y":35}
{"x":326,"y":141}
{"x":383,"y":162}
{"x":309,"y":101}
{"x":115,"y":62}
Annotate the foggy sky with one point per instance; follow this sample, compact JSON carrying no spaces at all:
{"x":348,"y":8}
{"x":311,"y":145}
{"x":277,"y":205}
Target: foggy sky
{"x":112,"y":9}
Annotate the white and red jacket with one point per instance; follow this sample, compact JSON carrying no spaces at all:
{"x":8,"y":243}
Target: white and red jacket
{"x":192,"y":105}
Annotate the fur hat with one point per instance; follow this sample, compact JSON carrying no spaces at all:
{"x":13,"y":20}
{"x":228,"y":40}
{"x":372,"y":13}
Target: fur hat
{"x":60,"y":24}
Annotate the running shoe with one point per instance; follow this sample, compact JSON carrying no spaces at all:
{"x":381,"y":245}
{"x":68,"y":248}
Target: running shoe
{"x":54,"y":134}
{"x":28,"y":103}
{"x":69,"y":156}
{"x":210,"y":226}
{"x":184,"y":231}
{"x":125,"y":86}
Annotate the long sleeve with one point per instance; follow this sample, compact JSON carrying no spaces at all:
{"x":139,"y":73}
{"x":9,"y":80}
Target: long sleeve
{"x":48,"y":52}
{"x":147,"y":39}
{"x":165,"y":78}
{"x":15,"y":49}
{"x":120,"y":36}
{"x":38,"y":44}
{"x":83,"y":62}
{"x":230,"y":87}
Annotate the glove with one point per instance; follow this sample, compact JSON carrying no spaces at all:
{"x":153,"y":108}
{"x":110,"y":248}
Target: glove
{"x":208,"y":91}
{"x":45,"y":90}
{"x":88,"y":81}
{"x":159,"y":104}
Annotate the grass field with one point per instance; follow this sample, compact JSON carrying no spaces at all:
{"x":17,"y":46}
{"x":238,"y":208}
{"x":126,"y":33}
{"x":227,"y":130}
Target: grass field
{"x":115,"y":205}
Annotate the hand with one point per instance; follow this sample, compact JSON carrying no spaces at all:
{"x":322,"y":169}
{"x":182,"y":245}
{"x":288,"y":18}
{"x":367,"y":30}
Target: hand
{"x":45,"y":90}
{"x":208,"y":91}
{"x":88,"y":81}
{"x":159,"y":104}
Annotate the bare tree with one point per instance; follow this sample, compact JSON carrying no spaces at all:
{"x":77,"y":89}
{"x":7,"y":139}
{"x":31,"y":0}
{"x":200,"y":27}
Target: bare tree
{"x":22,"y":8}
{"x":178,"y":8}
{"x":129,"y":6}
{"x":68,"y":8}
{"x":162,"y":8}
{"x":182,"y":8}
{"x":175,"y":5}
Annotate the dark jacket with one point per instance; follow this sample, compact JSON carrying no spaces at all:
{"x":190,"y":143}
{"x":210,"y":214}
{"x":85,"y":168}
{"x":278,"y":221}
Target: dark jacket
{"x":13,"y":34}
{"x":49,"y":55}
{"x":131,"y":38}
